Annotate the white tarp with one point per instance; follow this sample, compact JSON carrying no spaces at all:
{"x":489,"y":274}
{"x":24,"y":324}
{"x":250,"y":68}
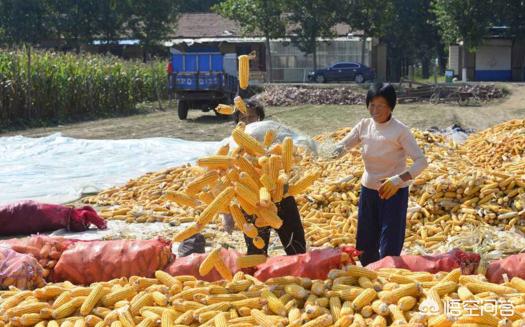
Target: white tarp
{"x":57,"y":169}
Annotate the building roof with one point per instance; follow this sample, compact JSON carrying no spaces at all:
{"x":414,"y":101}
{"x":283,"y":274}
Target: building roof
{"x":212,"y":25}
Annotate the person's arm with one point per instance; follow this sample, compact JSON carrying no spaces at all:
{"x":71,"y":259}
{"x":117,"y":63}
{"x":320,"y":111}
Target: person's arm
{"x":412,"y":149}
{"x":392,"y":184}
{"x":350,"y":141}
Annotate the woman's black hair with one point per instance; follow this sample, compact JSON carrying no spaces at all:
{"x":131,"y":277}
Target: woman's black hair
{"x":385,"y":90}
{"x":253,"y":105}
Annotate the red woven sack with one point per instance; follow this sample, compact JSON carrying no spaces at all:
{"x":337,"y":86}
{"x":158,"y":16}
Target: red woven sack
{"x":19,"y":270}
{"x":512,"y":266}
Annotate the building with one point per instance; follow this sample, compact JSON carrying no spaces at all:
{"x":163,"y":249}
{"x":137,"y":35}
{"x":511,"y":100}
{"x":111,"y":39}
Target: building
{"x":197,"y":32}
{"x":499,"y":58}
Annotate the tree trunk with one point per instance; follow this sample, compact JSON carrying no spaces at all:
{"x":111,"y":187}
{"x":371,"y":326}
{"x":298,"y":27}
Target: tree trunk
{"x":442,"y":59}
{"x":314,"y":53}
{"x":269,"y":66}
{"x":425,"y":67}
{"x":363,"y":49}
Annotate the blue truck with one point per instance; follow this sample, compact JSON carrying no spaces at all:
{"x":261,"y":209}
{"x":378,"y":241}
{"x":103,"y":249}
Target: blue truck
{"x":202,"y":80}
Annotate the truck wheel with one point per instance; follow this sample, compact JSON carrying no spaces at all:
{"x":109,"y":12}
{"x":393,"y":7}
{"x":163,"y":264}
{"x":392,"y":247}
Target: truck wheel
{"x":182,"y":108}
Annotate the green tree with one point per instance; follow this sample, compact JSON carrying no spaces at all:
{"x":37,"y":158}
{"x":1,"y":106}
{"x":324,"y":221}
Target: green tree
{"x":24,"y":22}
{"x":312,"y":19}
{"x":369,"y":16}
{"x":75,"y":21}
{"x":511,"y":13}
{"x":198,"y":5}
{"x":262,"y":16}
{"x":466,"y":20}
{"x":111,"y":18}
{"x":152,"y":21}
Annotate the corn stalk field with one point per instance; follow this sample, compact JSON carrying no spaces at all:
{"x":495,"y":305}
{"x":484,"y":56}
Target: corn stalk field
{"x":41,"y":85}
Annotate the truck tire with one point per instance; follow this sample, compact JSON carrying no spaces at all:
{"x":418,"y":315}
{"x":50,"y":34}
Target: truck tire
{"x":182,"y":109}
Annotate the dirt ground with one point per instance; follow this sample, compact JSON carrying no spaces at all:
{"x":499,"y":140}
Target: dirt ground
{"x":309,"y":119}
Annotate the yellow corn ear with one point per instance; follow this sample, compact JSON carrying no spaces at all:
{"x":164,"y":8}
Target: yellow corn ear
{"x":140,"y":301}
{"x":223,"y":270}
{"x":246,"y":166}
{"x":222,"y":200}
{"x":380,"y":308}
{"x":244,"y":71}
{"x":406,"y":303}
{"x":126,"y":319}
{"x":247,"y":142}
{"x":80,"y":323}
{"x":238,"y":216}
{"x":180,"y":198}
{"x":322,"y":321}
{"x":269,"y":137}
{"x":248,"y":261}
{"x":220,"y":320}
{"x":209,"y":262}
{"x":223,"y":150}
{"x":215,"y":162}
{"x":258,"y":242}
{"x":159,"y":299}
{"x":246,"y":195}
{"x":68,"y":308}
{"x":274,"y":304}
{"x":166,"y":278}
{"x":264,"y":197}
{"x":251,"y":231}
{"x":92,"y":320}
{"x":24,"y":308}
{"x":168,"y":318}
{"x":393,"y":296}
{"x":356,"y":271}
{"x":225,"y":109}
{"x":92,"y":299}
{"x":267,"y":182}
{"x":200,"y":182}
{"x":270,"y":217}
{"x":30,"y":319}
{"x":187,"y":233}
{"x":365,"y":298}
{"x":335,"y":307}
{"x":302,"y":184}
{"x":240,"y":105}
{"x":148,"y":322}
{"x":262,"y":319}
{"x":278,"y":192}
{"x":287,"y":149}
{"x":274,"y":167}
{"x":296,"y":291}
{"x":61,"y":299}
{"x":481,"y":287}
{"x":248,"y":181}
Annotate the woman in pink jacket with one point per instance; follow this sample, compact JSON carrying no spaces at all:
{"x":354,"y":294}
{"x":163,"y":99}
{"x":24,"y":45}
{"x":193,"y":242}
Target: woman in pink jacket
{"x":383,"y":202}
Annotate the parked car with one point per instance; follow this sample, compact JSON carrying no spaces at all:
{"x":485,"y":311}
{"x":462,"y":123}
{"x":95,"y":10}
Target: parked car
{"x":343,"y":71}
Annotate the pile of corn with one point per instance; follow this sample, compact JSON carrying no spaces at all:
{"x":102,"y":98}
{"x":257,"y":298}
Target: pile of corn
{"x":452,"y":196}
{"x":500,"y":144}
{"x":252,"y":177}
{"x":353,"y":296}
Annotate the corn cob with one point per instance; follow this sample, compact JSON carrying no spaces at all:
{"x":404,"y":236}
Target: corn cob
{"x":264,"y":197}
{"x":187,"y":233}
{"x":302,"y":184}
{"x":208,"y":263}
{"x":140,"y":301}
{"x":223,"y":270}
{"x":406,"y":303}
{"x":223,"y":199}
{"x":248,"y":261}
{"x":181,"y":199}
{"x":244,"y":193}
{"x":92,"y":299}
{"x":287,"y":149}
{"x":215,"y":162}
{"x":270,"y":217}
{"x":68,"y":308}
{"x":269,"y":137}
{"x":246,"y":166}
{"x":247,"y":142}
{"x":244,"y":71}
{"x":267,"y":182}
{"x":392,"y":297}
{"x":258,"y":242}
{"x":365,"y":298}
{"x":225,"y":109}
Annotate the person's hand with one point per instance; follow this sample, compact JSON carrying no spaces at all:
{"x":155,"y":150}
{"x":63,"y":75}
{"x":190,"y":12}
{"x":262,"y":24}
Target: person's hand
{"x":227,"y":223}
{"x":337,"y":152}
{"x":390,"y":187}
